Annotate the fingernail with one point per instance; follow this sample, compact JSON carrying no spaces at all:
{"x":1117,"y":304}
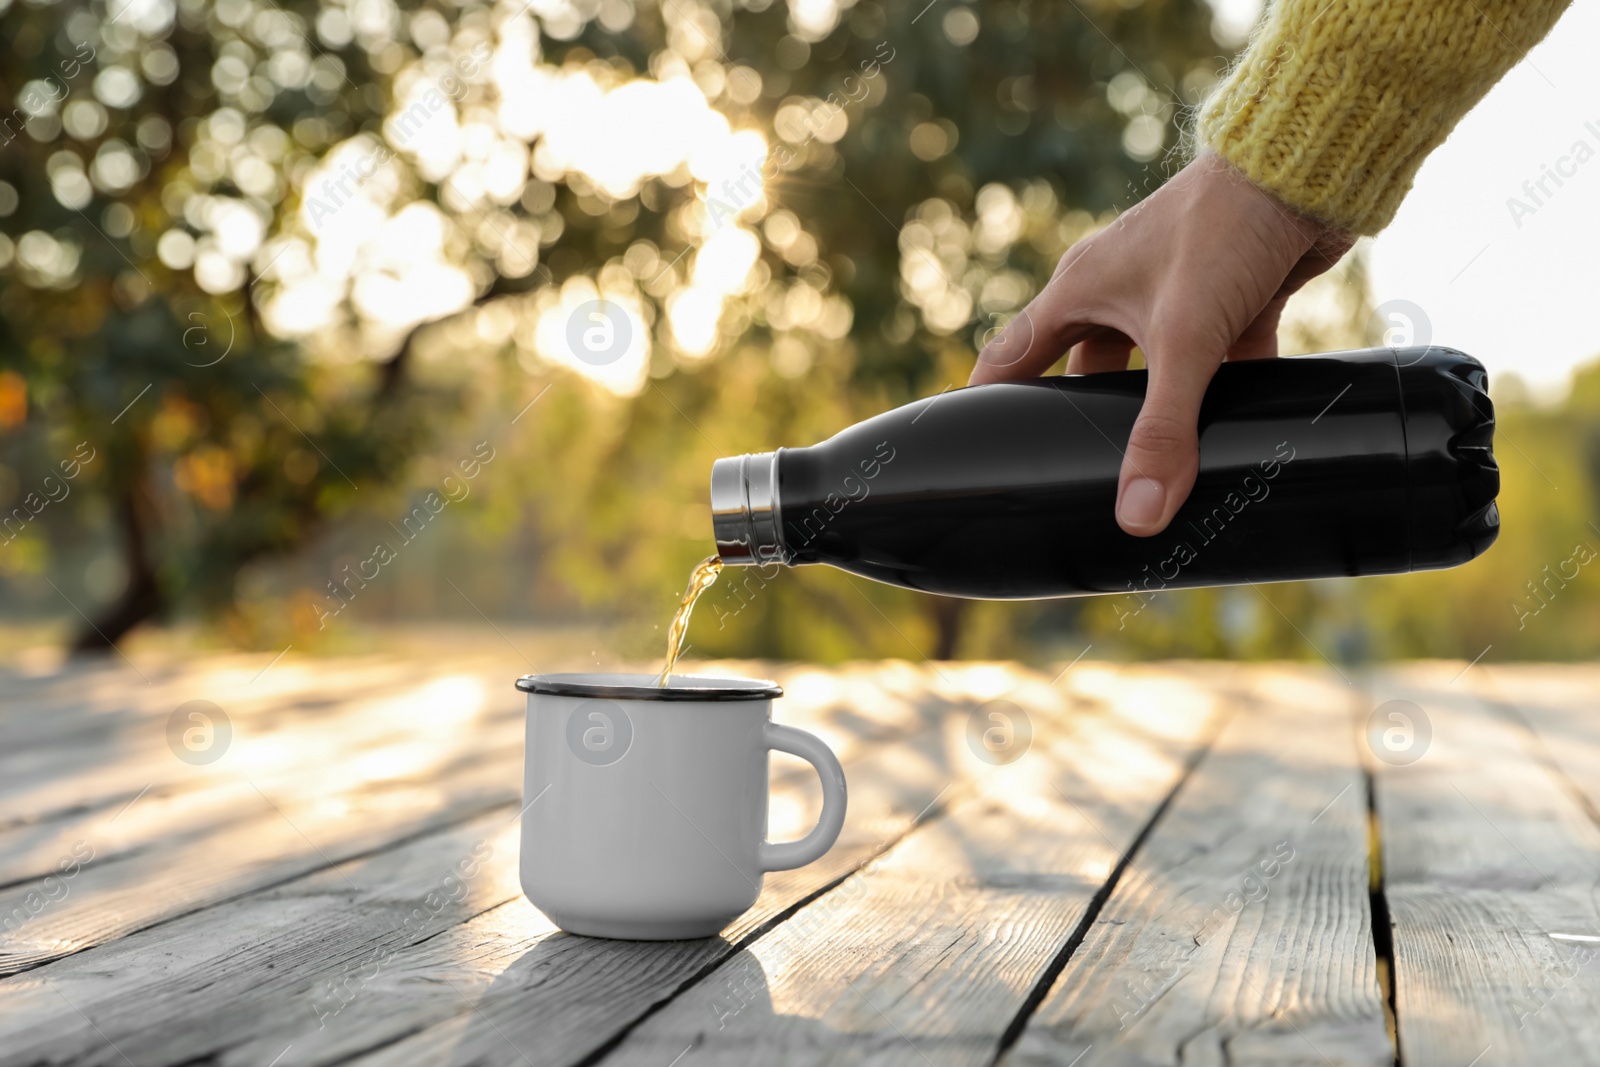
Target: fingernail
{"x":1142,"y":502}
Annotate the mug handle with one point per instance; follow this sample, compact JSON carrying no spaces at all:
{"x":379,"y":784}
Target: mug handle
{"x":786,"y":855}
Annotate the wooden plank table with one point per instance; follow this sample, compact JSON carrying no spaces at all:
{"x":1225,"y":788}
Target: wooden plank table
{"x":1187,"y":863}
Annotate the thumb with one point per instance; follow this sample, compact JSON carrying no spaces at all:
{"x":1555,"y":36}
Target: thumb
{"x":1163,"y":455}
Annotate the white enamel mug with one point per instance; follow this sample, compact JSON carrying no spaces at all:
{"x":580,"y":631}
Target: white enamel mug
{"x":645,"y":809}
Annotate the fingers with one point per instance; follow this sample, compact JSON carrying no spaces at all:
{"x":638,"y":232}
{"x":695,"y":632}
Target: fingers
{"x":1054,"y":321}
{"x":1163,"y":455}
{"x":1100,"y":353}
{"x":1207,"y":261}
{"x":1029,"y":343}
{"x":1260,"y":338}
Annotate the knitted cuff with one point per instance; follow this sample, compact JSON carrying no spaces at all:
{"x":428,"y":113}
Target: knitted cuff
{"x":1336,"y":103}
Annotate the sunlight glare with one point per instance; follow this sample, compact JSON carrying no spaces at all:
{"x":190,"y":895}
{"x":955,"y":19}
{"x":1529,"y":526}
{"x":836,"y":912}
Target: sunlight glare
{"x":693,"y":313}
{"x":624,"y":374}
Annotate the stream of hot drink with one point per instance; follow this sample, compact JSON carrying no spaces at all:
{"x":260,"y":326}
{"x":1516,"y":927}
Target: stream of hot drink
{"x":705,"y":572}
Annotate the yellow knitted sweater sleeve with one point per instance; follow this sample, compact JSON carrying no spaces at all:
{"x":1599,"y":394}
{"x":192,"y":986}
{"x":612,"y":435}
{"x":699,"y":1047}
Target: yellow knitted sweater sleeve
{"x":1335,"y":103}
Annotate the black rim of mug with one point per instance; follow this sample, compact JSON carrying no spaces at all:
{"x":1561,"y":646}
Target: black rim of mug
{"x":682,"y":687}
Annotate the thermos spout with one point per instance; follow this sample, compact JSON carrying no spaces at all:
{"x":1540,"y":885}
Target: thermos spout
{"x":745,"y":517}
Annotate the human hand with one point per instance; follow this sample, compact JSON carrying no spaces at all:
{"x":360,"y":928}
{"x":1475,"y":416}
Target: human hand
{"x":1196,"y":273}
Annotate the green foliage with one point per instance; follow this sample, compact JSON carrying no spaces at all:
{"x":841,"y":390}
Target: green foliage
{"x":278,"y":265}
{"x":179,"y":171}
{"x":218,"y":443}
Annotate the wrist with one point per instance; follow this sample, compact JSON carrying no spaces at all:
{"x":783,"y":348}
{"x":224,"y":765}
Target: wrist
{"x":1234,"y":195}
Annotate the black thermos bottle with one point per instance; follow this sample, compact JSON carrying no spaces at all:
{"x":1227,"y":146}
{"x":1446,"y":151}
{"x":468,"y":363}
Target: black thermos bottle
{"x":1371,"y":462}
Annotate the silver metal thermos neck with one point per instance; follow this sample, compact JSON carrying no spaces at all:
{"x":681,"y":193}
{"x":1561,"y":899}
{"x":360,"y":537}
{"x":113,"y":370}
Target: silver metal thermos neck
{"x":745,"y":515}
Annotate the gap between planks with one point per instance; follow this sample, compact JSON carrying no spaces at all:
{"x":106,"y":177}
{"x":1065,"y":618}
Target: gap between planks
{"x":774,"y":922}
{"x":1203,"y":957}
{"x":970,"y":911}
{"x":1489,"y":844}
{"x":886,"y":747}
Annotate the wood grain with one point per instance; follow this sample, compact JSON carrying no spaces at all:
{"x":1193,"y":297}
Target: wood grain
{"x":319,"y":782}
{"x":259,"y":840}
{"x":98,"y":756}
{"x":300,"y":901}
{"x":266,"y":960}
{"x":563,"y":1000}
{"x":1561,"y":705}
{"x":928,"y":953}
{"x":1241,"y":931}
{"x":1486,"y":856}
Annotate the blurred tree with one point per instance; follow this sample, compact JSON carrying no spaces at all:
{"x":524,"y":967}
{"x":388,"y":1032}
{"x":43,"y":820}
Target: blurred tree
{"x":928,"y":165}
{"x":147,"y":153}
{"x":254,"y":253}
